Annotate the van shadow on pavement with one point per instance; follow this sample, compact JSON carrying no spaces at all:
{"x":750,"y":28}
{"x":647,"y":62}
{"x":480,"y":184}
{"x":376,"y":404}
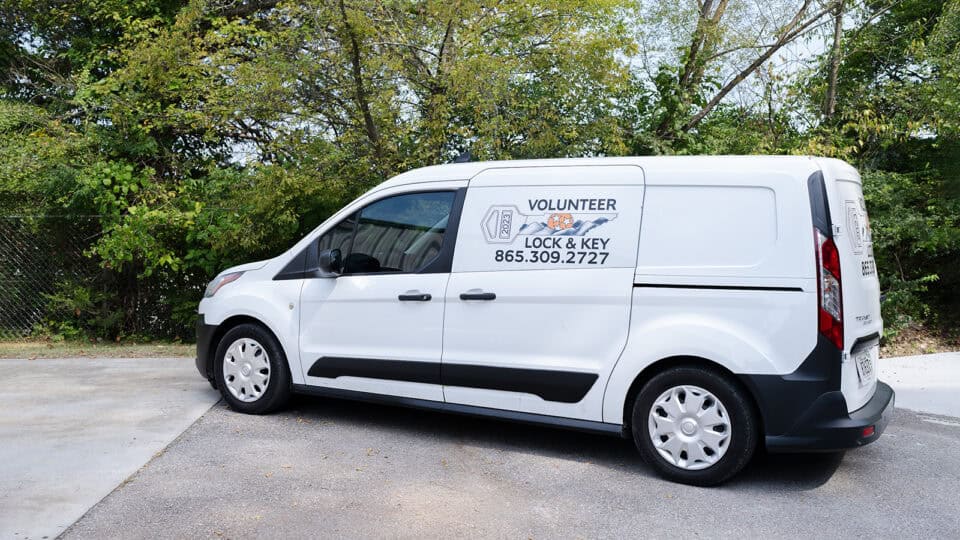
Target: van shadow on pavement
{"x":766,"y":472}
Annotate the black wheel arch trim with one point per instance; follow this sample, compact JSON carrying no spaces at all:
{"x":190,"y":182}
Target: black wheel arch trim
{"x":209,"y":335}
{"x":783,"y":399}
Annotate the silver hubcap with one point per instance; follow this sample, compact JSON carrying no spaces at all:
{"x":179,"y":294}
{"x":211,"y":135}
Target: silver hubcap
{"x":689,"y":427}
{"x":246,"y":369}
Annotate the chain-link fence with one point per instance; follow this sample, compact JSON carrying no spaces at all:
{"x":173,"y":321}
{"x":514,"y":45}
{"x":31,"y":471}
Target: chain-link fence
{"x":37,"y":253}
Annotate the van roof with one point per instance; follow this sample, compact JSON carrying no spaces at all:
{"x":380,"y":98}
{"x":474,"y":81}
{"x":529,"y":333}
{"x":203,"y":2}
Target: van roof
{"x":650,"y":164}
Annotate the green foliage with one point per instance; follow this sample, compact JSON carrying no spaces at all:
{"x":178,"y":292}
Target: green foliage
{"x":898,"y":101}
{"x":75,"y":312}
{"x":916,"y":231}
{"x":206,"y":133}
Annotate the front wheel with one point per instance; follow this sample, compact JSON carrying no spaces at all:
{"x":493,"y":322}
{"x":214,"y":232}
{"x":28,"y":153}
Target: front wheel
{"x":251,"y":370}
{"x":694,"y":426}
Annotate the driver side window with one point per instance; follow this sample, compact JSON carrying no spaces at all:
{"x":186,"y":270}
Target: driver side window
{"x":340,"y":236}
{"x":399,"y":234}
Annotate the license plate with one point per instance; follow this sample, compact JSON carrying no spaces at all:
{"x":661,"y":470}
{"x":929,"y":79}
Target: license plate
{"x":865,"y":365}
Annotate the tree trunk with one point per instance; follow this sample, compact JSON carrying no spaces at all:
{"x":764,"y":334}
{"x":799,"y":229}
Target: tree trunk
{"x":702,"y":43}
{"x":360,"y":90}
{"x":830,"y":104}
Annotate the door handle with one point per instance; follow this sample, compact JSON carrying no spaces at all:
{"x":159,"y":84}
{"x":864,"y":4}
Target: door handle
{"x":478,"y":296}
{"x":414,"y":296}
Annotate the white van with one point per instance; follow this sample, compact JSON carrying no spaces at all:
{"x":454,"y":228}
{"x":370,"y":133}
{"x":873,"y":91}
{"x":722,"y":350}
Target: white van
{"x":698,"y":305}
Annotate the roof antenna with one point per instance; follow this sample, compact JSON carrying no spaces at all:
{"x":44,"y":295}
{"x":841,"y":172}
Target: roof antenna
{"x":464,"y":157}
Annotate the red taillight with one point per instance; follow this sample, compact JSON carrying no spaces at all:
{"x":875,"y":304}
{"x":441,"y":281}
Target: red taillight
{"x":830,"y":255}
{"x":868,"y":431}
{"x":830,"y":319}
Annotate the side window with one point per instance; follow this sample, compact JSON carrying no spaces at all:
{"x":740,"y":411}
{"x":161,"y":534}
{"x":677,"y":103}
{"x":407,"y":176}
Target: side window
{"x":339,"y":236}
{"x":399,"y":234}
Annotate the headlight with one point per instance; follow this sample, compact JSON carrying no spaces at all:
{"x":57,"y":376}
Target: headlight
{"x":220,"y":281}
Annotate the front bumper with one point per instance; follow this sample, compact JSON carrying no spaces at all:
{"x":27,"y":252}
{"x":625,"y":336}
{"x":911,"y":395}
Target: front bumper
{"x":827,"y":426}
{"x":205,"y":334}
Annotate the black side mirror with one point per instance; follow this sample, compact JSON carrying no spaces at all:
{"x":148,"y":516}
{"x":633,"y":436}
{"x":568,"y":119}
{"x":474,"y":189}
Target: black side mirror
{"x":330,"y":263}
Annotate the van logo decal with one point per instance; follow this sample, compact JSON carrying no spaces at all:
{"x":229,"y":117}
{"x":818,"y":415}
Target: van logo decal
{"x":858,"y":225}
{"x":504,"y":223}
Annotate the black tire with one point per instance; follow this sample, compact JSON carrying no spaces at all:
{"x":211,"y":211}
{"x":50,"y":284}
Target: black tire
{"x":277,"y":393}
{"x":744,"y":432}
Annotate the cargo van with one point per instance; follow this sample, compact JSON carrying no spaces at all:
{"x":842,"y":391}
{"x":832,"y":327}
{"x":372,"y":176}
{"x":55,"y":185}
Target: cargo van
{"x":703,"y":307}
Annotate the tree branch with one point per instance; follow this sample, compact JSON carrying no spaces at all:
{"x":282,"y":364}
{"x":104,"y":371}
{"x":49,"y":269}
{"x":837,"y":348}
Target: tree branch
{"x":794,"y":29}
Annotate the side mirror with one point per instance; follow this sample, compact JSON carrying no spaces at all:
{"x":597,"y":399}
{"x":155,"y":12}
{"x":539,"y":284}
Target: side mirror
{"x":330,"y":263}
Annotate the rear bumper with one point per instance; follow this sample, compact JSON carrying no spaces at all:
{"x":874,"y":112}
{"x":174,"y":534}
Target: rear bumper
{"x":204,"y":354}
{"x":826,"y":425}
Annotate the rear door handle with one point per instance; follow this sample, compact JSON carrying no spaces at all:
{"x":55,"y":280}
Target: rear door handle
{"x":414,"y":296}
{"x":478,"y":296}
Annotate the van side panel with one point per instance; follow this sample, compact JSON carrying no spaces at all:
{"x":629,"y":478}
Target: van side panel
{"x":725,"y":272}
{"x":745,"y":331}
{"x":720,"y":227}
{"x":729,"y":225}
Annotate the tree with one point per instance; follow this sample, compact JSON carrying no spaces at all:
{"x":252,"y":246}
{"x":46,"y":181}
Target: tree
{"x":209,"y":132}
{"x":206,"y":133}
{"x":897,"y":96}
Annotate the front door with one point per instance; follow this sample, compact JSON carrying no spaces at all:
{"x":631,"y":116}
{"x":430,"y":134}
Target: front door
{"x":378,"y":327}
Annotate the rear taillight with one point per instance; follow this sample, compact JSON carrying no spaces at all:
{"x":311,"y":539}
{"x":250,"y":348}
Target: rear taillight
{"x":828,"y":288}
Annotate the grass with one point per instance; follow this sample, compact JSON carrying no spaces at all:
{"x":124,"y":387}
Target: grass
{"x":910,"y":341}
{"x":45,"y":348}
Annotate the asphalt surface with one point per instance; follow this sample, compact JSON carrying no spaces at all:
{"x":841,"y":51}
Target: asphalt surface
{"x":72,"y":429}
{"x":328,"y":468}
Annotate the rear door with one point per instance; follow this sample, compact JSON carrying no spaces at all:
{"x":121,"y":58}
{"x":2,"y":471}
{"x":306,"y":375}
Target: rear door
{"x":860,"y":285}
{"x":538,"y":303}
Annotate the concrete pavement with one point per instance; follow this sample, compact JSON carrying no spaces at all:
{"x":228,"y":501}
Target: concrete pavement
{"x":337,"y":469}
{"x":73,"y":429}
{"x":928,"y":383}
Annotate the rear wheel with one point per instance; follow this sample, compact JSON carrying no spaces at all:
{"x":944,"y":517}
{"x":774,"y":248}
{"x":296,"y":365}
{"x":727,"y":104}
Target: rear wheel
{"x":694,"y":426}
{"x":251,"y":370}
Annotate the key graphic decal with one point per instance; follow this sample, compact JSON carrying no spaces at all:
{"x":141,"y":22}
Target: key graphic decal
{"x":504,"y":223}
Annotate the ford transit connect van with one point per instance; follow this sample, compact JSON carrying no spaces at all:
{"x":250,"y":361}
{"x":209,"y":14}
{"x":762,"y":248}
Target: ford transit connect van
{"x":702,"y":306}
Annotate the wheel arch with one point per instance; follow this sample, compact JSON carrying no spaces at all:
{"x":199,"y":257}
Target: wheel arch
{"x":228,"y":324}
{"x":664,"y":364}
